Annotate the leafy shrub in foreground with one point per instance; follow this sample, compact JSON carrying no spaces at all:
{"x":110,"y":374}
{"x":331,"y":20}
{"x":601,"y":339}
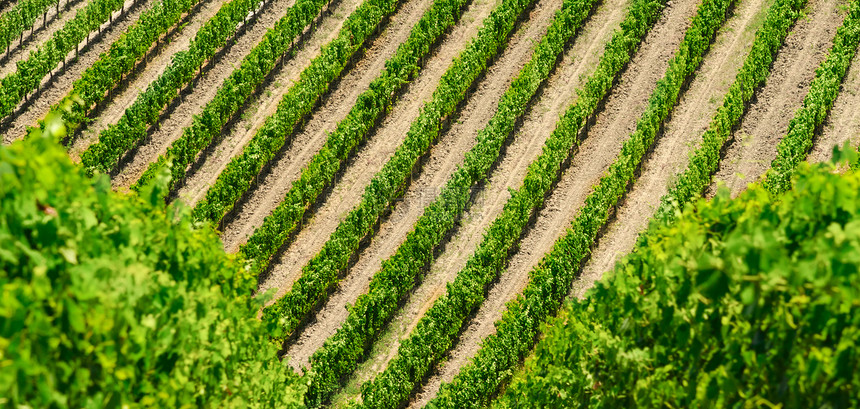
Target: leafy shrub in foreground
{"x":750,"y":301}
{"x":107,"y":301}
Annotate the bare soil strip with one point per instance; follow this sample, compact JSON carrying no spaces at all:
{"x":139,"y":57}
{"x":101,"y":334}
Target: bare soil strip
{"x":53,"y":89}
{"x":262,"y":106}
{"x":754,"y":144}
{"x":35,"y":36}
{"x":205,"y":87}
{"x":307,"y":142}
{"x":843,"y":124}
{"x":154,"y":66}
{"x":629,"y":97}
{"x":681,"y":136}
{"x":443,"y":159}
{"x":597,"y":152}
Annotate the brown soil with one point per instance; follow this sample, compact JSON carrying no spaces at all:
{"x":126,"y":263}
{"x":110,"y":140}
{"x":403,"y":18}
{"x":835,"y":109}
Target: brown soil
{"x":754,"y":145}
{"x":206,"y":86}
{"x":155,"y":64}
{"x":52,"y":90}
{"x":287,"y":168}
{"x":264,"y":104}
{"x":681,"y":136}
{"x":843,"y":124}
{"x":375,"y":152}
{"x":444,"y":158}
{"x":37,"y":35}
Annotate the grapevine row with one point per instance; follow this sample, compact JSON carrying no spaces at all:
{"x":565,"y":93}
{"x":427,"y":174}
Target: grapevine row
{"x":752,"y":75}
{"x":14,"y":87}
{"x":369,"y":108}
{"x":550,"y":281}
{"x":314,"y":81}
{"x":121,"y":58}
{"x":232,"y":93}
{"x":817,"y":103}
{"x":20,"y":17}
{"x":144,"y":111}
{"x":322,"y":271}
{"x":341,"y":353}
{"x":439,"y":327}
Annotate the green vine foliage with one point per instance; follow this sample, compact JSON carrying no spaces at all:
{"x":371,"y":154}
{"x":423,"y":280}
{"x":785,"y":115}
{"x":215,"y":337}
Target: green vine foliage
{"x":740,"y":303}
{"x":108,"y":300}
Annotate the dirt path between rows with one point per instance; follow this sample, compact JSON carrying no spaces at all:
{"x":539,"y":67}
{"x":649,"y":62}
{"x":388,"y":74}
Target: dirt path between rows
{"x":32,"y":41}
{"x":206,"y":87}
{"x":154,"y":66}
{"x":682,"y":135}
{"x":61,"y":84}
{"x":843,"y":123}
{"x":754,"y":144}
{"x":264,"y":104}
{"x":307,"y":142}
{"x":444,"y":158}
{"x":287,"y":267}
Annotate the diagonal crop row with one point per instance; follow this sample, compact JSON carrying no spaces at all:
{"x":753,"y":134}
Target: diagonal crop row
{"x":369,"y":108}
{"x":550,"y":281}
{"x":20,"y":17}
{"x":322,"y":271}
{"x":232,"y":93}
{"x":298,"y":102}
{"x":817,"y":103}
{"x":14,"y":87}
{"x":132,"y":126}
{"x":121,"y":58}
{"x":341,"y":353}
{"x":752,"y":75}
{"x":438,"y":329}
